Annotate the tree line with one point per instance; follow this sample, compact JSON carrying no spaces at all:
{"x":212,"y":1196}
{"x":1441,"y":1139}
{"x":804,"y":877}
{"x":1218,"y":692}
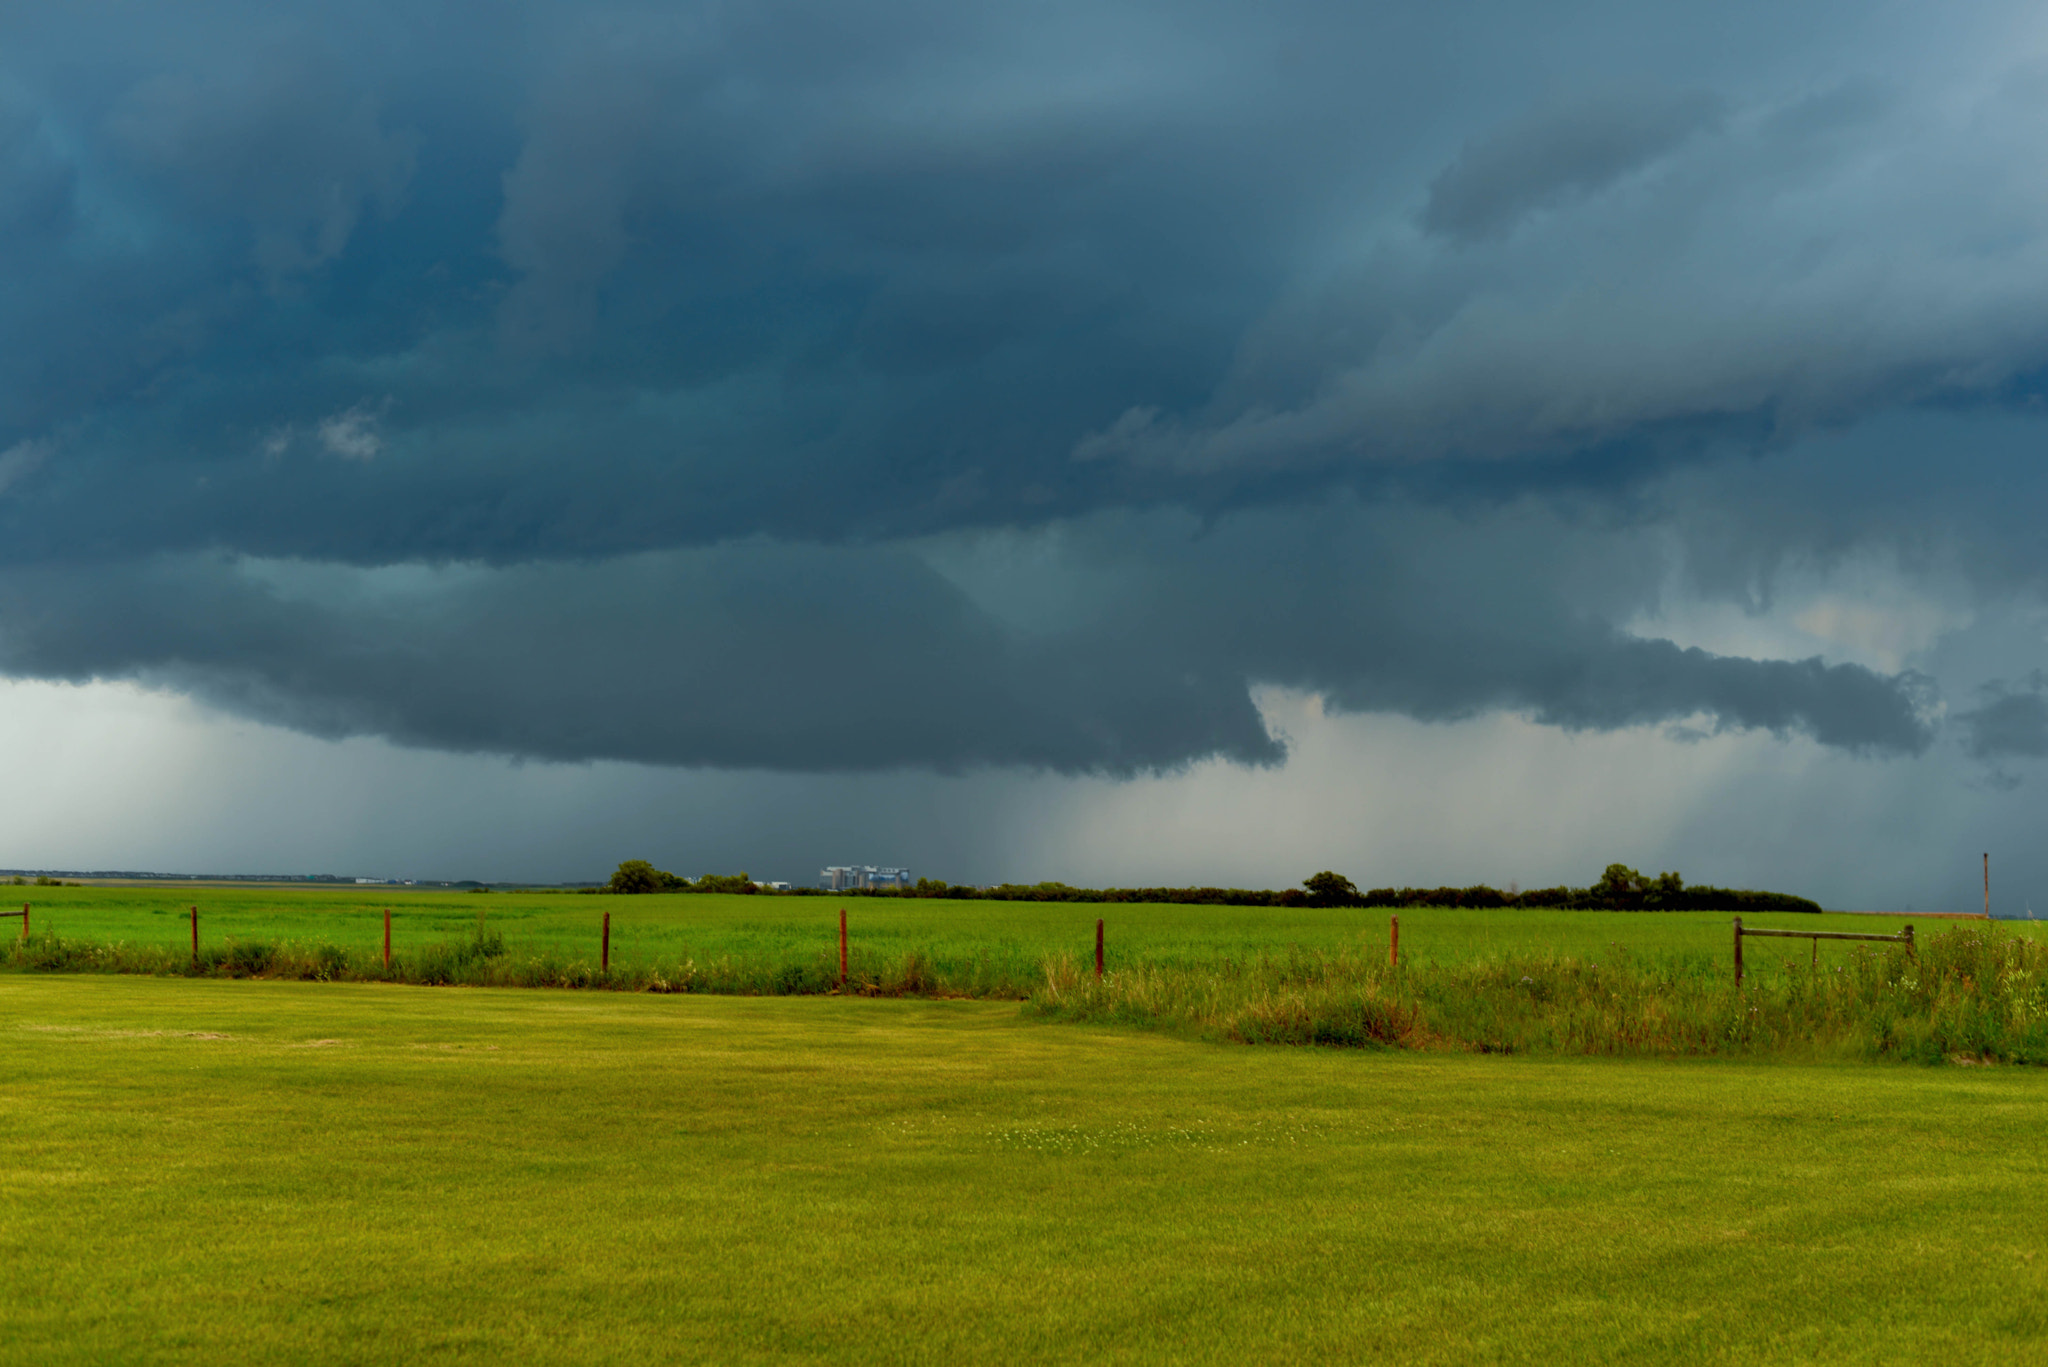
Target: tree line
{"x":1620,"y":888}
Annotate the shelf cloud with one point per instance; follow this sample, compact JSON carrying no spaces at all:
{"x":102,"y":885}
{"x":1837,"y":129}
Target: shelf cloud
{"x":948,"y":387}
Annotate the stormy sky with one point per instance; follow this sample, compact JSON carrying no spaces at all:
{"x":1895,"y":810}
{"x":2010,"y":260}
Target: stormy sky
{"x":1114,"y":442}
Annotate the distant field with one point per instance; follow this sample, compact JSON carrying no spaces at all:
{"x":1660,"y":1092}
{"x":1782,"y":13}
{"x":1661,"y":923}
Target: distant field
{"x":213,"y":1171}
{"x":988,"y":942}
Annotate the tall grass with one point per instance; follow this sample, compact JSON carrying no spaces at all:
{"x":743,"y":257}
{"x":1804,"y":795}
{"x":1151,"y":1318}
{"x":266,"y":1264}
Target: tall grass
{"x":1978,"y":994}
{"x":1975,"y":992}
{"x":481,"y":960}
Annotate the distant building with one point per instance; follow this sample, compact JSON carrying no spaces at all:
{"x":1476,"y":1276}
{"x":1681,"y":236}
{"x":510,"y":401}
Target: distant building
{"x":853,"y":877}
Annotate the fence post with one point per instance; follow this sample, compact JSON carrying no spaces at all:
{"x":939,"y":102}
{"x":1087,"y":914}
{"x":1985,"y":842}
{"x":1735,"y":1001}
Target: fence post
{"x":604,"y":955}
{"x":387,"y":937}
{"x":842,"y":948}
{"x":195,"y":937}
{"x":1098,"y":951}
{"x":24,"y":922}
{"x":1738,"y":951}
{"x":1393,"y":942}
{"x":1907,"y":936}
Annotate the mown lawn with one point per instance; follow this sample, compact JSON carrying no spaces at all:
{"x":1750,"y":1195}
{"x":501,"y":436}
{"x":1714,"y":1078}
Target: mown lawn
{"x":201,"y":1170}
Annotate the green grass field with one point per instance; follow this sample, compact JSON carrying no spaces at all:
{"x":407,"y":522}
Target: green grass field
{"x":987,"y":942}
{"x":1499,"y":980}
{"x":206,"y":1170}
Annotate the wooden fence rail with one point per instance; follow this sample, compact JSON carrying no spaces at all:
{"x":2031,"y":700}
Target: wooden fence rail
{"x":23,"y":914}
{"x":1904,"y":937}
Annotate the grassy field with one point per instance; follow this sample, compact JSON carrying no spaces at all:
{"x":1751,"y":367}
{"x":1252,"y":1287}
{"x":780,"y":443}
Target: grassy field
{"x":1499,"y":980}
{"x":969,"y":943}
{"x":211,"y":1171}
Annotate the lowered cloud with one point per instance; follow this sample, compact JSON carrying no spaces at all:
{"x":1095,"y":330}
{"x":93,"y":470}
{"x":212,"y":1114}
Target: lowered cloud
{"x":749,"y":655}
{"x":759,"y":654}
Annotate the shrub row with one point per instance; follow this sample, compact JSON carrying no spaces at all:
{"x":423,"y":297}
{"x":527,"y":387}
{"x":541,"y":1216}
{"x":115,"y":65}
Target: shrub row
{"x":1628,"y":891}
{"x":1620,"y":888}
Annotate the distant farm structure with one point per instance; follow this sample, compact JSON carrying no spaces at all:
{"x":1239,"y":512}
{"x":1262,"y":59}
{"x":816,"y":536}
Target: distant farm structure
{"x":850,"y":877}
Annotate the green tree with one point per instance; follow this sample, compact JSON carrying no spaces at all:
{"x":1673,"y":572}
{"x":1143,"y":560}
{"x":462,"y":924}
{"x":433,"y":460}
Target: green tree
{"x":637,"y":875}
{"x":1327,"y":889}
{"x":1619,"y":881}
{"x":724,"y":882}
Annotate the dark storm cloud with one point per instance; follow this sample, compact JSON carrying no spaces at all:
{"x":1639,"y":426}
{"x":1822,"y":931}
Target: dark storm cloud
{"x":748,"y":655}
{"x":2008,"y":722}
{"x":287,"y":152}
{"x":617,"y":280}
{"x":788,"y":657}
{"x":1402,"y":609}
{"x":36,"y":183}
{"x":1556,"y":153}
{"x":681,"y":335}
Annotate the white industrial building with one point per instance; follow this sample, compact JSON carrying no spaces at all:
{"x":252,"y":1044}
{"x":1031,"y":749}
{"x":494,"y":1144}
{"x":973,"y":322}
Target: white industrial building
{"x":849,"y":877}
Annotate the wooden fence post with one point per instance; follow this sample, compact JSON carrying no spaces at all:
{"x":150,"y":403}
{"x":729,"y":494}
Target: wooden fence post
{"x":24,"y":922}
{"x":1738,"y":951}
{"x":842,"y":947}
{"x":1098,"y":951}
{"x":1393,"y":942}
{"x":1907,"y":935}
{"x":387,"y":937}
{"x":195,"y":937}
{"x":604,"y":958}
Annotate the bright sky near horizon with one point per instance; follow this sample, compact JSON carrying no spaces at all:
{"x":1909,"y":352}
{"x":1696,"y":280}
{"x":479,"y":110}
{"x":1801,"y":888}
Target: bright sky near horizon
{"x":1122,"y":443}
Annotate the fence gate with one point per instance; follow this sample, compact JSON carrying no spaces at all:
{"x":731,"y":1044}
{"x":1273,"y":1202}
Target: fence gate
{"x":1904,"y":937}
